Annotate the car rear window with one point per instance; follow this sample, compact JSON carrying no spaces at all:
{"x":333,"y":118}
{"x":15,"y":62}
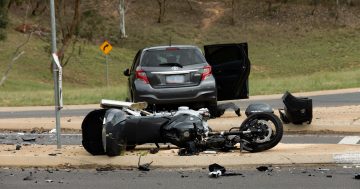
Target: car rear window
{"x":183,"y":57}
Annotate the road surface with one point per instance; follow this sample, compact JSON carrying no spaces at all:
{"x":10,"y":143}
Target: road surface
{"x":316,"y":177}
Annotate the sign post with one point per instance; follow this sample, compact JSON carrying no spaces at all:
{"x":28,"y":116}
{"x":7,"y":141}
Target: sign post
{"x":106,"y":48}
{"x":59,"y":80}
{"x":57,"y":74}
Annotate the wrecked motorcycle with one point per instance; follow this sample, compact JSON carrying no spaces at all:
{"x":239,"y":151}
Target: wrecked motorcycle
{"x":120,"y":126}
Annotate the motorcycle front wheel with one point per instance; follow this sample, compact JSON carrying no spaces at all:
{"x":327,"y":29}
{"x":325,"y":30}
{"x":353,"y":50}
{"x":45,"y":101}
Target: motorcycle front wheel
{"x":271,"y":133}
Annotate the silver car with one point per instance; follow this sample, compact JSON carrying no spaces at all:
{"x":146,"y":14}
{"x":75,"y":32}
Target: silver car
{"x":170,"y":76}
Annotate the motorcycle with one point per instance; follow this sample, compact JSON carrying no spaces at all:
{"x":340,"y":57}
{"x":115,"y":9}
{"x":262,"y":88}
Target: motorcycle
{"x":120,"y":126}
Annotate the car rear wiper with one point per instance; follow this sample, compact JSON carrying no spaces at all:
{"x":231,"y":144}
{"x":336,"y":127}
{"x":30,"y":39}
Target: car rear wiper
{"x":171,"y":64}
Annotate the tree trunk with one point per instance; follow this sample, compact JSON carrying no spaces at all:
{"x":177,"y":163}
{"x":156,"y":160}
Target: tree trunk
{"x":67,"y":31}
{"x":269,"y":6}
{"x":162,"y":7}
{"x":189,"y":3}
{"x":122,"y":18}
{"x":3,"y":18}
{"x":233,"y":7}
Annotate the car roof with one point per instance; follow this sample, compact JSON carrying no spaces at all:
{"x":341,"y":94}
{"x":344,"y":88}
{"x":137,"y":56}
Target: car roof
{"x":168,"y":46}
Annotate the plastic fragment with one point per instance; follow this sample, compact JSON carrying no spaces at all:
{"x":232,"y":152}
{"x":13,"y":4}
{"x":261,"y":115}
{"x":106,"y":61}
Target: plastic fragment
{"x":30,"y":177}
{"x":18,"y":147}
{"x":143,"y":167}
{"x":357,"y":176}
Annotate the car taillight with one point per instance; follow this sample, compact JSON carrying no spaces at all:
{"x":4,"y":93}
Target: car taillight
{"x":140,"y":74}
{"x":206,"y":72}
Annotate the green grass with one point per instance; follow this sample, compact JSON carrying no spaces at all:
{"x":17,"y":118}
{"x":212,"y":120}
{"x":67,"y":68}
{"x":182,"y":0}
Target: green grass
{"x":313,"y":82}
{"x":70,"y":96}
{"x":294,"y":52}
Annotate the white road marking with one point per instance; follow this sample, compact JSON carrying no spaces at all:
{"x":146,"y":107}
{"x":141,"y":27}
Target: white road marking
{"x":351,"y":158}
{"x":350,"y":140}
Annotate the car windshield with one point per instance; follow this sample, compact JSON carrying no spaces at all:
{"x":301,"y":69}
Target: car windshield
{"x":172,"y":57}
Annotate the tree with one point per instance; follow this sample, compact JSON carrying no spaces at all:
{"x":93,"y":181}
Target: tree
{"x":39,"y":7}
{"x":162,"y":8}
{"x":3,"y":18}
{"x":68,"y":26}
{"x":122,"y":18}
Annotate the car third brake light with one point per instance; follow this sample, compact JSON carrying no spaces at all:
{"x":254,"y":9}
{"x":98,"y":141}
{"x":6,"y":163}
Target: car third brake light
{"x":172,"y":49}
{"x":140,"y":74}
{"x":206,"y":72}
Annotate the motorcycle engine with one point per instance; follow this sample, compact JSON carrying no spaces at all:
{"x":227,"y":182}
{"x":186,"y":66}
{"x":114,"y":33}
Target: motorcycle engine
{"x":186,"y":129}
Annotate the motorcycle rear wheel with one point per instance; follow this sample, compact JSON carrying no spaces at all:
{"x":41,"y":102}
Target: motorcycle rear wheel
{"x":92,"y":132}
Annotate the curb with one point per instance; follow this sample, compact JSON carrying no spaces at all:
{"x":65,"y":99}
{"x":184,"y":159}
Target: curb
{"x":77,"y":157}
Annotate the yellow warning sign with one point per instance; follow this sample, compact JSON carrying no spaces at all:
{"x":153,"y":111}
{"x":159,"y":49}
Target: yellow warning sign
{"x":106,"y":47}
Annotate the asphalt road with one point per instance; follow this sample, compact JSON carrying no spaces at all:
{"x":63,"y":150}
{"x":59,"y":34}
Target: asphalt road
{"x":75,"y":139}
{"x":332,"y":100}
{"x":276,"y":177}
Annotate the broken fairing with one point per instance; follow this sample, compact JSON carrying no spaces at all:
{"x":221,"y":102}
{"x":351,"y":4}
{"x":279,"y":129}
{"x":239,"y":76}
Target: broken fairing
{"x":121,"y":126}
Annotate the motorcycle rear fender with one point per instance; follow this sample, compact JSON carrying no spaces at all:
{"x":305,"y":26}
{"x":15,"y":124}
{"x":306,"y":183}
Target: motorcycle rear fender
{"x":132,"y":129}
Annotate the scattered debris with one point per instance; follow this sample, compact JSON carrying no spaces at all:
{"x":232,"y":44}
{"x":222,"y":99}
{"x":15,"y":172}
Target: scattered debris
{"x":217,"y":170}
{"x":263,"y":168}
{"x":28,"y":138}
{"x":357,"y":176}
{"x":297,"y":110}
{"x":18,"y":147}
{"x":209,"y":152}
{"x":106,"y":168}
{"x":321,"y":169}
{"x":38,"y":130}
{"x":30,"y":177}
{"x":54,"y":154}
{"x":154,"y":150}
{"x":52,"y":131}
{"x":144,"y":167}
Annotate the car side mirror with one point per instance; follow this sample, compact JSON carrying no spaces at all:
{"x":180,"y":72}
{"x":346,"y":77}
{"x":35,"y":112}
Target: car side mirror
{"x":127,"y":72}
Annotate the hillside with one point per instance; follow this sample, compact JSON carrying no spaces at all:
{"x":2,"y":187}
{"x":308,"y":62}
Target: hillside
{"x":293,"y":46}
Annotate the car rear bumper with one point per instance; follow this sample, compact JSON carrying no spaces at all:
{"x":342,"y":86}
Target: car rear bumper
{"x":205,"y":92}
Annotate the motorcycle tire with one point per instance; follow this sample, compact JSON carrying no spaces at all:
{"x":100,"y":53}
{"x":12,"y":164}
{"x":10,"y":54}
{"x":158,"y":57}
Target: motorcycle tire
{"x":92,"y":132}
{"x":274,"y":138}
